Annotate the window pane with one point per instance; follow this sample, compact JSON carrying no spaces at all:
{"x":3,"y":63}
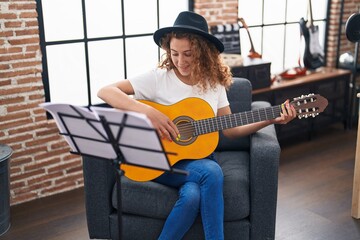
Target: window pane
{"x":322,"y":30}
{"x":274,"y":47}
{"x":106,"y":62}
{"x":62,"y":22}
{"x":251,"y":11}
{"x":140,"y":59}
{"x":292,"y":46}
{"x":170,"y":9}
{"x":295,"y":10}
{"x":103,"y":18}
{"x":274,"y":11}
{"x":67,"y":73}
{"x":319,"y":8}
{"x":141,"y":16}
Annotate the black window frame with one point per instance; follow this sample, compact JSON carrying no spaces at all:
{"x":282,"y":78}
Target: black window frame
{"x":285,"y":23}
{"x":86,"y":40}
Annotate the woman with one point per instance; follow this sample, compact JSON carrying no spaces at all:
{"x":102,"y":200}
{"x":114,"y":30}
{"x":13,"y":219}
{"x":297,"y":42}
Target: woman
{"x":192,"y":67}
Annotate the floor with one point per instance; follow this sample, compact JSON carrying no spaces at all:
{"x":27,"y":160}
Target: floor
{"x":315,"y":189}
{"x":314,"y":200}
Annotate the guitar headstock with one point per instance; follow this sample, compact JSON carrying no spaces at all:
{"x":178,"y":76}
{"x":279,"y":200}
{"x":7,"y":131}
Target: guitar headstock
{"x":243,"y":22}
{"x":309,"y":105}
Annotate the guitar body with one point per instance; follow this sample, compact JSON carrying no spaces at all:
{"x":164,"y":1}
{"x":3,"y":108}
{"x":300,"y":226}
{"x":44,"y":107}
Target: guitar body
{"x":315,"y":47}
{"x":188,"y":147}
{"x":312,"y":58}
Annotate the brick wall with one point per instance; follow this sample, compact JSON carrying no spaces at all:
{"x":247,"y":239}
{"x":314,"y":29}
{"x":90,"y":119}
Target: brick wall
{"x":350,"y":7}
{"x":217,"y":11}
{"x":41,"y":164}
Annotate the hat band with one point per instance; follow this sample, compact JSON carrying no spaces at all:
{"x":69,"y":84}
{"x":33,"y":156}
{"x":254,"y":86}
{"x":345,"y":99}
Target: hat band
{"x":191,"y":27}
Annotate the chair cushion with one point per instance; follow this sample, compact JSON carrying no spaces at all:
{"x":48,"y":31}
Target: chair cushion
{"x":151,"y":199}
{"x":235,"y":167}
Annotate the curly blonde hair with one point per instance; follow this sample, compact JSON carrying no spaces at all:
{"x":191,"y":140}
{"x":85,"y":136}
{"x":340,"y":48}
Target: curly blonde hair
{"x":207,"y":68}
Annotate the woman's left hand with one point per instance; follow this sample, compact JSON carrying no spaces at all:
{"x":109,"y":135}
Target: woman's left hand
{"x":287,"y":114}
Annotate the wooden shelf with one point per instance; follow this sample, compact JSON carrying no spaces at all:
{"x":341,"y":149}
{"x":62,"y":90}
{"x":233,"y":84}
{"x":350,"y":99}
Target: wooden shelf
{"x":319,"y":75}
{"x":330,"y":83}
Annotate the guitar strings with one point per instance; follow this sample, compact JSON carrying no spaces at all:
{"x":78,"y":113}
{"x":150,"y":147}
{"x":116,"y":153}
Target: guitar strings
{"x":203,"y":126}
{"x":229,"y":119}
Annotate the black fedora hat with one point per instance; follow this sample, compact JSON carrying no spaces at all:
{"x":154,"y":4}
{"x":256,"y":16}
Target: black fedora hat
{"x":192,"y":23}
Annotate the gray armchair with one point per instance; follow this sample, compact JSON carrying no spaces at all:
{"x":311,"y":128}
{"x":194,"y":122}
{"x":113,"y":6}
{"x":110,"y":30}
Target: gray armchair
{"x":250,"y":167}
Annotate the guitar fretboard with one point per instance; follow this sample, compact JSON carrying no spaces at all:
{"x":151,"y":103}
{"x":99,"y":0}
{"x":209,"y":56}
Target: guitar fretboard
{"x":214,"y":124}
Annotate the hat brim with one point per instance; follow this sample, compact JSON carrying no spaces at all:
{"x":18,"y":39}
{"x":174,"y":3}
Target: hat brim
{"x":162,"y":31}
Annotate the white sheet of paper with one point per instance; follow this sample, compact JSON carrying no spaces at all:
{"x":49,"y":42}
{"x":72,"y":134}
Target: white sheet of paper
{"x":138,"y":143}
{"x":76,"y":121}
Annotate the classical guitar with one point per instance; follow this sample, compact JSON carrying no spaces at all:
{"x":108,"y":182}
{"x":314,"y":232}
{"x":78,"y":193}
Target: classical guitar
{"x":199,"y":128}
{"x":252,"y":52}
{"x":313,"y":53}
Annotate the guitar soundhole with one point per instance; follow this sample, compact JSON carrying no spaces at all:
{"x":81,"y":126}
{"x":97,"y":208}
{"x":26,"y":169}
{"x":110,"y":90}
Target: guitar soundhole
{"x":186,"y":129}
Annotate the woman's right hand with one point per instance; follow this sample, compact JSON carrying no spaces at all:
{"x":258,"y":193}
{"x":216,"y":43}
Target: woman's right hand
{"x":162,"y":123}
{"x":117,"y":96}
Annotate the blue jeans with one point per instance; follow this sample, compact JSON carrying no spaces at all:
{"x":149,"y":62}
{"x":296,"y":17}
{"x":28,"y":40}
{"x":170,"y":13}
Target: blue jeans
{"x":199,"y":192}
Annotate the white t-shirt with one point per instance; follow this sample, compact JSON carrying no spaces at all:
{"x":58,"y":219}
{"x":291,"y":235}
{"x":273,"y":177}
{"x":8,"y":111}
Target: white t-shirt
{"x":164,"y":87}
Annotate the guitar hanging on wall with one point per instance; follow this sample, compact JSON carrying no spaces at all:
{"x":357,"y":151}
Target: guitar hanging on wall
{"x":199,"y":128}
{"x":313,"y":56}
{"x":252,"y":52}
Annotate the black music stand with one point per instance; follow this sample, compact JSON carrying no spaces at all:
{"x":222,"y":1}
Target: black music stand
{"x":100,"y":132}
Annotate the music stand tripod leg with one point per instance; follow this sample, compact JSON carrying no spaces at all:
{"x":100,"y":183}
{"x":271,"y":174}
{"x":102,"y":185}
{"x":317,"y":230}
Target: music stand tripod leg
{"x":352,"y":111}
{"x":117,"y":164}
{"x":119,"y":173}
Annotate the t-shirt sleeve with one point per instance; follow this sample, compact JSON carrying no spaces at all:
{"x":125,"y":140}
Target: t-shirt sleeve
{"x":223,"y":100}
{"x":144,"y":85}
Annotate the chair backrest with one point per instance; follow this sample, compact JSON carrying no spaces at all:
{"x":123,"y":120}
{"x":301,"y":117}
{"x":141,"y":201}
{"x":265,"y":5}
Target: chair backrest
{"x":240,"y":99}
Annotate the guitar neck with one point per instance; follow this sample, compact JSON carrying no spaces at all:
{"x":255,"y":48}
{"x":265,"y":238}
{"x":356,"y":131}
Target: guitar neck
{"x":311,"y":21}
{"x":214,"y":124}
{"x":253,"y":53}
{"x":248,"y":33}
{"x":252,"y":49}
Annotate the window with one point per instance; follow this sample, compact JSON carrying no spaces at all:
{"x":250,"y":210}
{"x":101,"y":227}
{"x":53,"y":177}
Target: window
{"x":88,"y":44}
{"x":274,"y":29}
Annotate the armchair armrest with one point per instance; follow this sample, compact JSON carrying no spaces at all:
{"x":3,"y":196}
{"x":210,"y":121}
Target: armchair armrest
{"x":264,"y":165}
